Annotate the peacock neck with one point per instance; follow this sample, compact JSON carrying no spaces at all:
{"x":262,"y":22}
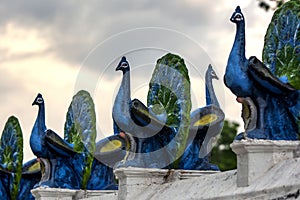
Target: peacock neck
{"x":40,"y":121}
{"x":123,"y":98}
{"x":238,"y":48}
{"x":211,"y":97}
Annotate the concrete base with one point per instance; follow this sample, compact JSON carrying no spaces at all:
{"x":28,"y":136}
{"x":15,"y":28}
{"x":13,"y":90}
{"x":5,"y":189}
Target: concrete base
{"x":133,"y":181}
{"x":42,"y":193}
{"x":256,"y":157}
{"x":53,"y":193}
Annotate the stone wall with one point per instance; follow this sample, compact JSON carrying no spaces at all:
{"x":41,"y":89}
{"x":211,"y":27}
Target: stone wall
{"x":266,"y":170}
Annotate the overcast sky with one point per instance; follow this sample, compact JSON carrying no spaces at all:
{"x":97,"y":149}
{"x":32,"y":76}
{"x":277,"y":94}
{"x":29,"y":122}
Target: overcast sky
{"x":59,"y":47}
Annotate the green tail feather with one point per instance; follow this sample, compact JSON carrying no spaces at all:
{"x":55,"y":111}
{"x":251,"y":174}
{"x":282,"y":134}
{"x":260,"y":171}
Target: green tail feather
{"x":11,"y":153}
{"x":281,"y":51}
{"x":80,"y":130}
{"x":169,"y":91}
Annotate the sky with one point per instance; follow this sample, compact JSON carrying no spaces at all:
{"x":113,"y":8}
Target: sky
{"x":57,"y":48}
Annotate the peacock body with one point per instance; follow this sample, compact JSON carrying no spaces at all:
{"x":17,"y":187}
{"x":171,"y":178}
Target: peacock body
{"x":153,"y":136}
{"x":206,"y":124}
{"x":251,"y":80}
{"x":51,"y":150}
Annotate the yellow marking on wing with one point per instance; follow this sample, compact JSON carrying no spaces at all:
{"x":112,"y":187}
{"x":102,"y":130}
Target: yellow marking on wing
{"x":112,"y":145}
{"x":34,"y":167}
{"x":206,"y":119}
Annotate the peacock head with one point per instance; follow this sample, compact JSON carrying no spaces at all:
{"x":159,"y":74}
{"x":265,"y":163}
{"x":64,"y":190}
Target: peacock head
{"x":38,"y":100}
{"x":123,"y":65}
{"x":237,"y":16}
{"x":211,"y":72}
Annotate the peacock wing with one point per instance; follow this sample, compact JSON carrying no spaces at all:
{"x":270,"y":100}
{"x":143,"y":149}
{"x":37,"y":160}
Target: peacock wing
{"x":32,"y":168}
{"x":281,"y":51}
{"x":111,"y":150}
{"x":57,"y":145}
{"x":139,"y":113}
{"x":80,"y":130}
{"x":141,"y":116}
{"x":266,"y":79}
{"x":11,"y":153}
{"x":207,"y":116}
{"x":169,"y":97}
{"x":206,"y":124}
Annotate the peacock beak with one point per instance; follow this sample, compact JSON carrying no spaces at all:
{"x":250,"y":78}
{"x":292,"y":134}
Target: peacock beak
{"x":118,"y":68}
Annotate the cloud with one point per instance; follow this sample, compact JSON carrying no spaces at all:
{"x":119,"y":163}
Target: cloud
{"x":74,"y":29}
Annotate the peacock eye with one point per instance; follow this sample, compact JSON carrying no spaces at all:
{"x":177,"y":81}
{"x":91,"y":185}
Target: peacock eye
{"x":238,"y":17}
{"x":124,"y":65}
{"x":39,"y":100}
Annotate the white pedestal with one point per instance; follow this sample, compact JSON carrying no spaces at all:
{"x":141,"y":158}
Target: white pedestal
{"x":133,"y":181}
{"x":255,"y":157}
{"x":53,"y":193}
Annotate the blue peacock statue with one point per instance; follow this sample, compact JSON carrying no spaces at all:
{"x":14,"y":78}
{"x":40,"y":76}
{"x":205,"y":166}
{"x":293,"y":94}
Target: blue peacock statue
{"x":158,"y":128}
{"x":266,"y":97}
{"x":76,"y":162}
{"x":160,"y":134}
{"x":132,"y":117}
{"x":48,"y":147}
{"x":206,"y":125}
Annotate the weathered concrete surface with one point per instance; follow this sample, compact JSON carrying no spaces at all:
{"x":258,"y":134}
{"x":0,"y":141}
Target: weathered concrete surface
{"x":280,"y":182}
{"x":133,"y":181}
{"x":43,"y":193}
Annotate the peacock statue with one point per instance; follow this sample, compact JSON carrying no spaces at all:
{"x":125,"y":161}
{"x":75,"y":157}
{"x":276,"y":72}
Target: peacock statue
{"x":127,"y":119}
{"x":266,"y":97}
{"x":47,"y":146}
{"x":76,"y":162}
{"x":206,"y":124}
{"x":156,"y":134}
